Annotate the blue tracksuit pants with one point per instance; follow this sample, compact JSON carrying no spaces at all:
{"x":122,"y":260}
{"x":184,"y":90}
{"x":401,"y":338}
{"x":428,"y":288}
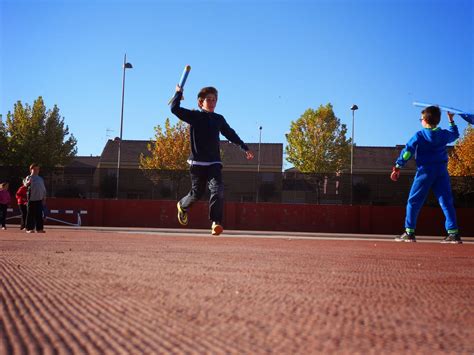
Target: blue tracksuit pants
{"x":434,"y":177}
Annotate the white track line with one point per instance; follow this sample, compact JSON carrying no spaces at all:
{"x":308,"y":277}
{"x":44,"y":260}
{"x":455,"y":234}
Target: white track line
{"x":178,"y":232}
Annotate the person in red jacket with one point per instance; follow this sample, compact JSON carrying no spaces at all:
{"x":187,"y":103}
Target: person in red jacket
{"x":4,"y":202}
{"x":22,"y":200}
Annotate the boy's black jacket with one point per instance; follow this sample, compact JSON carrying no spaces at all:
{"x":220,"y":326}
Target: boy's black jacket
{"x":205,"y":129}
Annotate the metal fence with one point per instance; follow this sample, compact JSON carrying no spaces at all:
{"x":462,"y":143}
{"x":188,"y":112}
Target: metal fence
{"x":285,"y":187}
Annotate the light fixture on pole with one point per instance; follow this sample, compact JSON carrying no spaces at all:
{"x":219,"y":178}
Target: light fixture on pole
{"x":125,"y":66}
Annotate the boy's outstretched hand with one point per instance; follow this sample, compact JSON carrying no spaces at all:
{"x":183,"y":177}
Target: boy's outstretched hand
{"x":395,"y":175}
{"x":179,"y":88}
{"x":451,"y":116}
{"x":249,"y":155}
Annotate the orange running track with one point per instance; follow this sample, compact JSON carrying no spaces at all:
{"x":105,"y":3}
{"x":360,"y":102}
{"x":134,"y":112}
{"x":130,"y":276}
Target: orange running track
{"x":90,"y":291}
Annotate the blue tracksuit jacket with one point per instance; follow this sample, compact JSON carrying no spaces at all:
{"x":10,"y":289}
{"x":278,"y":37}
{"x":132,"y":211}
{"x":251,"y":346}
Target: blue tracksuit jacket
{"x":428,"y":146}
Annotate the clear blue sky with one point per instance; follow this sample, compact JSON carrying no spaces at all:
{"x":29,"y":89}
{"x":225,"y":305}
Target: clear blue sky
{"x":270,"y":60}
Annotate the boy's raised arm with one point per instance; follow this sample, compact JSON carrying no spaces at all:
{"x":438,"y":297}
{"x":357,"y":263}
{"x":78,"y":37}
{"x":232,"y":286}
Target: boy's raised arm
{"x":182,"y":113}
{"x":453,"y":128}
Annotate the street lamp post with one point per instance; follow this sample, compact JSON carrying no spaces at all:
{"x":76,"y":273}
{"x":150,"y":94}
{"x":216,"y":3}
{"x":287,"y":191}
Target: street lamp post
{"x":125,"y":66}
{"x":259,"y":144}
{"x":353,"y":109}
{"x":258,"y":162}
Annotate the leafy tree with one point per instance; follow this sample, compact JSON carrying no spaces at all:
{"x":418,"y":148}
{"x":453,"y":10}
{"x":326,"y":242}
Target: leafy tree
{"x":35,"y":134}
{"x":3,"y":143}
{"x":461,"y":159}
{"x":168,"y":154}
{"x":461,"y":166}
{"x":57,"y":145}
{"x":317,"y":144}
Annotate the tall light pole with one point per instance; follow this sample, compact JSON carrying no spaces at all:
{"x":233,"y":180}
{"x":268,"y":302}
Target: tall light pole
{"x":258,"y":161}
{"x":259,"y":145}
{"x":353,"y":109}
{"x":125,"y":66}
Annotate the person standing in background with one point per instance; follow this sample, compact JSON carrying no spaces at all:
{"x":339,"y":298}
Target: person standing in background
{"x":36,"y":198}
{"x":22,"y":200}
{"x":5,"y":199}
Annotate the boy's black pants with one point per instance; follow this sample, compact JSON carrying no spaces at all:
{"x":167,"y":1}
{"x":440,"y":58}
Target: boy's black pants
{"x":212,"y":176}
{"x":3,"y":214}
{"x":24,"y":213}
{"x":34,"y":217}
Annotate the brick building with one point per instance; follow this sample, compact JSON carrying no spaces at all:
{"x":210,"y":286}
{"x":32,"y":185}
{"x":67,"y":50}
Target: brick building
{"x":240,"y":174}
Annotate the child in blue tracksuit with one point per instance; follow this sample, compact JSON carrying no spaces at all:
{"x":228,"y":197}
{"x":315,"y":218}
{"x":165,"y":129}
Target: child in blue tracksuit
{"x":428,"y":146}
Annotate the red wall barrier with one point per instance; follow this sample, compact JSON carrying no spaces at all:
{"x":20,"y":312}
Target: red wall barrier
{"x":262,"y":216}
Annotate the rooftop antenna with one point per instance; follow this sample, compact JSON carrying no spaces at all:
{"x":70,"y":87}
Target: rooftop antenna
{"x":108,"y":132}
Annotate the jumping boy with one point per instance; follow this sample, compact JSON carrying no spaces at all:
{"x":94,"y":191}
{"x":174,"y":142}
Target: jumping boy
{"x":429,"y":148}
{"x":205,"y":158}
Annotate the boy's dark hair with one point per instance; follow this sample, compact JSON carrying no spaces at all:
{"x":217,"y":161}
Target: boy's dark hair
{"x":432,"y":115}
{"x":34,"y":165}
{"x":206,"y":91}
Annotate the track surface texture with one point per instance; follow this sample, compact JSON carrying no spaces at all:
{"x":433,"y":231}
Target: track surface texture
{"x":71,"y":291}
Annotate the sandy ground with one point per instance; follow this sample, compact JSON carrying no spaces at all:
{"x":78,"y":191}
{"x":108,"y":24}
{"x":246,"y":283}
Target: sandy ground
{"x":71,"y":291}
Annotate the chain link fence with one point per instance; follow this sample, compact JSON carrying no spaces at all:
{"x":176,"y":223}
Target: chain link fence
{"x":285,"y":187}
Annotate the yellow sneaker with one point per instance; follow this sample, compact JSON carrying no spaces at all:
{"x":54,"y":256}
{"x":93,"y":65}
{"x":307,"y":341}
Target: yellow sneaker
{"x":182,"y":216}
{"x":216,"y":229}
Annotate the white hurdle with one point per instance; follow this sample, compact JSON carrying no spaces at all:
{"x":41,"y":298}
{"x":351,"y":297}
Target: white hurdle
{"x":78,"y":213}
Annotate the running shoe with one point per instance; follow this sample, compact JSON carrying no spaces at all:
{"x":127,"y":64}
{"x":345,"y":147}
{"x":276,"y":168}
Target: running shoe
{"x":216,"y":229}
{"x":452,"y":238}
{"x":406,"y":237}
{"x":182,"y":216}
